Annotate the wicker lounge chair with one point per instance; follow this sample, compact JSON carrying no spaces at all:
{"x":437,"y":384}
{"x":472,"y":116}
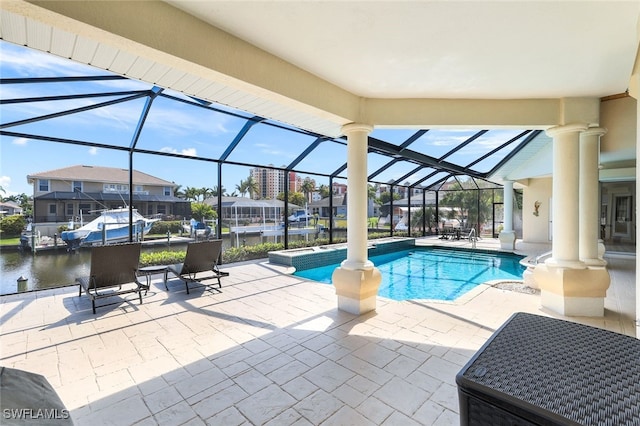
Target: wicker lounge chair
{"x":200,"y":264}
{"x":113,"y":272}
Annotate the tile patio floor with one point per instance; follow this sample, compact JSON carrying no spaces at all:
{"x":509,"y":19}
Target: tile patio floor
{"x":270,"y":349}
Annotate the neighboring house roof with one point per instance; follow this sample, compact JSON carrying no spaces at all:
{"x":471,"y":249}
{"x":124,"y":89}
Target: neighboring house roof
{"x":101,"y":196}
{"x":245,"y":202}
{"x":100,"y":174}
{"x":242,"y":202}
{"x":10,"y":204}
{"x":9,"y":207}
{"x":430,"y":199}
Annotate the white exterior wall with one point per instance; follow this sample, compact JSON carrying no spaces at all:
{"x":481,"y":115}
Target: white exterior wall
{"x":536,"y":229}
{"x":618,"y":116}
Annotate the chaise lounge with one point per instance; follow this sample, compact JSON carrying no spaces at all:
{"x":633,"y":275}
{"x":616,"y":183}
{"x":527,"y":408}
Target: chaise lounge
{"x":113,"y":272}
{"x":200,"y":264}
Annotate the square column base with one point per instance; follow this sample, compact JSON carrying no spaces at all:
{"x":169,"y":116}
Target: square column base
{"x":573,"y":292}
{"x":573,"y":306}
{"x":507,"y":240}
{"x":357,"y":290}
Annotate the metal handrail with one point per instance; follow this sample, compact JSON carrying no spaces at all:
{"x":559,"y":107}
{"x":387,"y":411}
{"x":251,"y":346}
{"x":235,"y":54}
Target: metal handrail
{"x":473,"y":237}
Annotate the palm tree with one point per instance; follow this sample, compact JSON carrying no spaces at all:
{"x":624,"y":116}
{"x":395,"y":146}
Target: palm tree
{"x":205,"y":193}
{"x":214,"y":191}
{"x":178,"y":192}
{"x":191,"y":193}
{"x":242,"y":187}
{"x":371,"y":192}
{"x":324,"y":191}
{"x":307,"y":188}
{"x":252,"y":186}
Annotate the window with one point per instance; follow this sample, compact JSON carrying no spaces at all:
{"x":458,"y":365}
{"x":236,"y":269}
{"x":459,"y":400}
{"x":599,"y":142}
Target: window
{"x":76,"y":186}
{"x":85,"y":208}
{"x":43,"y":185}
{"x":167,"y":191}
{"x":138,"y":189}
{"x":69,"y":209}
{"x":149,"y":209}
{"x":113,"y":187}
{"x":53,"y":210}
{"x":162,"y":209}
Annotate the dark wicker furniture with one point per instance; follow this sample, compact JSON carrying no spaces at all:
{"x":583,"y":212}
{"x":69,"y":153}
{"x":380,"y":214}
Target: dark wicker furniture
{"x":536,"y":370}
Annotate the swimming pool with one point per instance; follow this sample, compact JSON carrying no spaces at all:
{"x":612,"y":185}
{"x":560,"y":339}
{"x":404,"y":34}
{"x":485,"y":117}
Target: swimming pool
{"x":433,"y":273}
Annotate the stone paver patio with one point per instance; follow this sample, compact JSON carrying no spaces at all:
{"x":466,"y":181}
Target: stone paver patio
{"x":269,"y":349}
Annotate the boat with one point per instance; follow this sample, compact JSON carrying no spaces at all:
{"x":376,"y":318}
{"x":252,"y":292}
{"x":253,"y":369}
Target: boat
{"x":198,"y":229}
{"x":112,"y":226}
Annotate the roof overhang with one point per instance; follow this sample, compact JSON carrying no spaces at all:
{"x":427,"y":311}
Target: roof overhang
{"x":428,"y":64}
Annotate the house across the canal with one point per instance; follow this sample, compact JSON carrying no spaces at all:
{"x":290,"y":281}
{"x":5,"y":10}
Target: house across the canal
{"x":65,"y":194}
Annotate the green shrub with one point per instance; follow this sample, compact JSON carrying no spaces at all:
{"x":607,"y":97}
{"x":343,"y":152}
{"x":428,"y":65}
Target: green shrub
{"x":375,"y":235}
{"x":201,"y":211}
{"x":162,"y":258}
{"x":13,"y":225}
{"x":161,"y":227}
{"x":234,"y":254}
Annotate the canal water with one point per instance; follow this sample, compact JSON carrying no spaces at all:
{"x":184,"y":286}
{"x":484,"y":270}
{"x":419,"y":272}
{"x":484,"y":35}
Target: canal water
{"x":50,"y":269}
{"x":46,"y":269}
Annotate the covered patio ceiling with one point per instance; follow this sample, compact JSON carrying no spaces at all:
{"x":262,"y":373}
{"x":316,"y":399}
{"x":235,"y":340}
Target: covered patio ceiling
{"x":452,"y":88}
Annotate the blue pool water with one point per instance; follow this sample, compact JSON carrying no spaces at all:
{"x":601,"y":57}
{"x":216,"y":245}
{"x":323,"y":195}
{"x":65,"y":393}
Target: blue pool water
{"x":432,"y":273}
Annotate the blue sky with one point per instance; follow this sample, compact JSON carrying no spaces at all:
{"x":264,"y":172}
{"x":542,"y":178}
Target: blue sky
{"x":173,"y":127}
{"x":170,"y":127}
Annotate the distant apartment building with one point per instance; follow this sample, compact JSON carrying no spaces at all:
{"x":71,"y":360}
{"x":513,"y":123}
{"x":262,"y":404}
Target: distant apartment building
{"x":339,"y":189}
{"x":272,"y":182}
{"x":295,"y":182}
{"x":402,"y":191}
{"x":64,"y":194}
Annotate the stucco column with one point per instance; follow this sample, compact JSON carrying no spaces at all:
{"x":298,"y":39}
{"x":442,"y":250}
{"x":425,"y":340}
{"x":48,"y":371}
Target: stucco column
{"x":566,"y":175}
{"x":357,"y":196}
{"x":568,"y":286}
{"x":356,"y":280}
{"x":507,"y":236}
{"x":589,"y":222}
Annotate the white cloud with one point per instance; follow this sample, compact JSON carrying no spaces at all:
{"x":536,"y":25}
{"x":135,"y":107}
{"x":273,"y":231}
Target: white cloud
{"x":5,"y":181}
{"x":186,"y":151}
{"x":176,"y":120}
{"x":271,"y":150}
{"x":30,"y":62}
{"x":20,"y":141}
{"x":93,"y":150}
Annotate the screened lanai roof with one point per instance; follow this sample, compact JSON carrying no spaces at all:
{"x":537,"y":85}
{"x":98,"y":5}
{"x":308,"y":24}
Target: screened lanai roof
{"x":278,"y":60}
{"x":103,"y":110}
